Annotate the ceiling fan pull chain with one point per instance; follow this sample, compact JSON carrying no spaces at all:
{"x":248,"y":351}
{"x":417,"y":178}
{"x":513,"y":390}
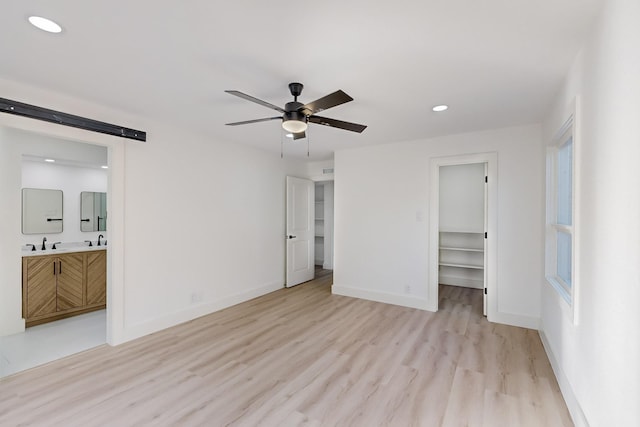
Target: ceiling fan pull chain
{"x":308,"y":140}
{"x":281,"y":145}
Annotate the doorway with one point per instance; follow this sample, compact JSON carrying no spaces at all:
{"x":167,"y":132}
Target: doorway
{"x":71,"y":168}
{"x":324,"y":225}
{"x":309,"y":229}
{"x":463,"y":226}
{"x":109,"y":323}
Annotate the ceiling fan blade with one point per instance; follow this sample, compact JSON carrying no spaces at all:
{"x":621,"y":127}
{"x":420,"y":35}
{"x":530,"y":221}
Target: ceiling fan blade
{"x":353,"y":127}
{"x":256,"y":100}
{"x":299,"y":135}
{"x":246,"y":122}
{"x":333,"y":99}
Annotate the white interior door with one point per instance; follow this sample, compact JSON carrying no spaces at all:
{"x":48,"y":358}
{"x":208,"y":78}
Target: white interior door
{"x":300,"y":230}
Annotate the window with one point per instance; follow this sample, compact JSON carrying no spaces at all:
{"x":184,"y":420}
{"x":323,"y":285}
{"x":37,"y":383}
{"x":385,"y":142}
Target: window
{"x":560,"y":231}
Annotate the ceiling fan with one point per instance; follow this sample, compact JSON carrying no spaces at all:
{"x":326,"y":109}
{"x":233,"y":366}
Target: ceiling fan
{"x":296,"y":116}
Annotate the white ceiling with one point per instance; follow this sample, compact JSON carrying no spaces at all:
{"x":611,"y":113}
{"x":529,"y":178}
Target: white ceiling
{"x":496,"y":63}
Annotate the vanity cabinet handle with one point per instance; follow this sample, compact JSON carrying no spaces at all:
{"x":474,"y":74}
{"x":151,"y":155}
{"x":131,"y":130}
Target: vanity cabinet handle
{"x":60,"y":267}
{"x":54,"y":268}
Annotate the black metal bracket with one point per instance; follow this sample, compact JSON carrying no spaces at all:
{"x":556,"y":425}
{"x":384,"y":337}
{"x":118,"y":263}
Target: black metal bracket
{"x":53,"y":116}
{"x":54,"y":219}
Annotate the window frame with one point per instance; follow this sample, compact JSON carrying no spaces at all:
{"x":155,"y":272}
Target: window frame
{"x":567,"y":292}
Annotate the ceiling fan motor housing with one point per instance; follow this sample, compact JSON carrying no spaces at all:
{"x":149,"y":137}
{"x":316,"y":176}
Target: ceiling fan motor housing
{"x":293,"y":106}
{"x":294,"y":119}
{"x":294,"y":115}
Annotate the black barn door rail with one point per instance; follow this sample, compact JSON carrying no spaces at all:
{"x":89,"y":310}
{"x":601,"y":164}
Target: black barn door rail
{"x":39,"y":113}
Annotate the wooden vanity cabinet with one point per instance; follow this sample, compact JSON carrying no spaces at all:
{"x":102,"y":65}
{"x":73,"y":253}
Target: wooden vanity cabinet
{"x":97,"y":278}
{"x":59,"y":286}
{"x":69,"y":286}
{"x":39,"y":286}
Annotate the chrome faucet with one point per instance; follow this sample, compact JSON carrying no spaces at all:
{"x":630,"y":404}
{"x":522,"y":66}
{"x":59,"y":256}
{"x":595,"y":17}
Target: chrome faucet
{"x":99,"y":237}
{"x":44,"y":248}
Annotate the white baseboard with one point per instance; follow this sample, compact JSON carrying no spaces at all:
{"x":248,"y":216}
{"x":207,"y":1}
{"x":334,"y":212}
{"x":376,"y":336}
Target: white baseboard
{"x":148,"y":327}
{"x":388,"y":298}
{"x":577,"y":415}
{"x":518,"y":320}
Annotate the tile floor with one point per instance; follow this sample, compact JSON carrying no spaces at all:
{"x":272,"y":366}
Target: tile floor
{"x":51,"y":341}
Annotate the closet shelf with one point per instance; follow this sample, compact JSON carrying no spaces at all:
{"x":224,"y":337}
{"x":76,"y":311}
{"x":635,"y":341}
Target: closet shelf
{"x":447,"y":264}
{"x":447,"y":248}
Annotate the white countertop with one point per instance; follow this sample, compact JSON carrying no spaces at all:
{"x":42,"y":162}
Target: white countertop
{"x":61,"y":248}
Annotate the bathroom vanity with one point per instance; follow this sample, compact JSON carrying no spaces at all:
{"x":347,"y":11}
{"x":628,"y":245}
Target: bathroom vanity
{"x":59,"y":284}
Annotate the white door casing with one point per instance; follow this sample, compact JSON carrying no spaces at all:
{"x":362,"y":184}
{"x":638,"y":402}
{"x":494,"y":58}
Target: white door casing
{"x":300,"y":231}
{"x":491,"y":228}
{"x":486,"y":247}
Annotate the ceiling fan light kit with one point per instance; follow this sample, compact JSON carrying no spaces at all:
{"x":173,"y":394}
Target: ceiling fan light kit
{"x":294,"y":122}
{"x":296,"y":116}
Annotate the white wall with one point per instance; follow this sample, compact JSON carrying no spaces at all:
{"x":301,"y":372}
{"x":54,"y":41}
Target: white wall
{"x":11,"y":320}
{"x":196,"y":226}
{"x":203,"y":218}
{"x":72,"y":180}
{"x":596,"y":360}
{"x":462,"y":198}
{"x":381,"y":236}
{"x":316,"y":170}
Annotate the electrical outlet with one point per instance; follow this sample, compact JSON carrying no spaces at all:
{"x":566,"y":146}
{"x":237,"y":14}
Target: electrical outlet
{"x":197,"y":297}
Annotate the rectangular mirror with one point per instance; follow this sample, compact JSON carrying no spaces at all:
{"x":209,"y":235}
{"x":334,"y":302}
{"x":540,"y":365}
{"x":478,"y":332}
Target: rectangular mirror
{"x":93,"y":211}
{"x":41,"y":211}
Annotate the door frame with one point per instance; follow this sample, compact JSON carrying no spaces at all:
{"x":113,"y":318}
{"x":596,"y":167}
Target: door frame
{"x":115,"y":332}
{"x":491,"y":220}
{"x":309,"y":234}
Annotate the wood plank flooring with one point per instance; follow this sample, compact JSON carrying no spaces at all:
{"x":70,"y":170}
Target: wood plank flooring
{"x":302,"y":356}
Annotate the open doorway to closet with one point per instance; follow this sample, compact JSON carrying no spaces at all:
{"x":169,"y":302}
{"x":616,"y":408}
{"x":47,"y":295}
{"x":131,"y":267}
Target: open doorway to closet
{"x":463,"y":229}
{"x":323,"y":225}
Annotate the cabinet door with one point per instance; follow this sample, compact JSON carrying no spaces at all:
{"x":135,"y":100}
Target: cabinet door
{"x":40,"y":277}
{"x":70,"y":293}
{"x":97,"y":278}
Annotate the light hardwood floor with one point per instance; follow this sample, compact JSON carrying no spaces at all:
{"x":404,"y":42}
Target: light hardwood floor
{"x":302,"y":356}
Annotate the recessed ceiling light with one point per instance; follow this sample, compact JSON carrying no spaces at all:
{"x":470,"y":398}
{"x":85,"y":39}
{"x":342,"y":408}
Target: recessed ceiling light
{"x":439,"y":108}
{"x":49,"y":160}
{"x":105,"y":167}
{"x":45,"y":24}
